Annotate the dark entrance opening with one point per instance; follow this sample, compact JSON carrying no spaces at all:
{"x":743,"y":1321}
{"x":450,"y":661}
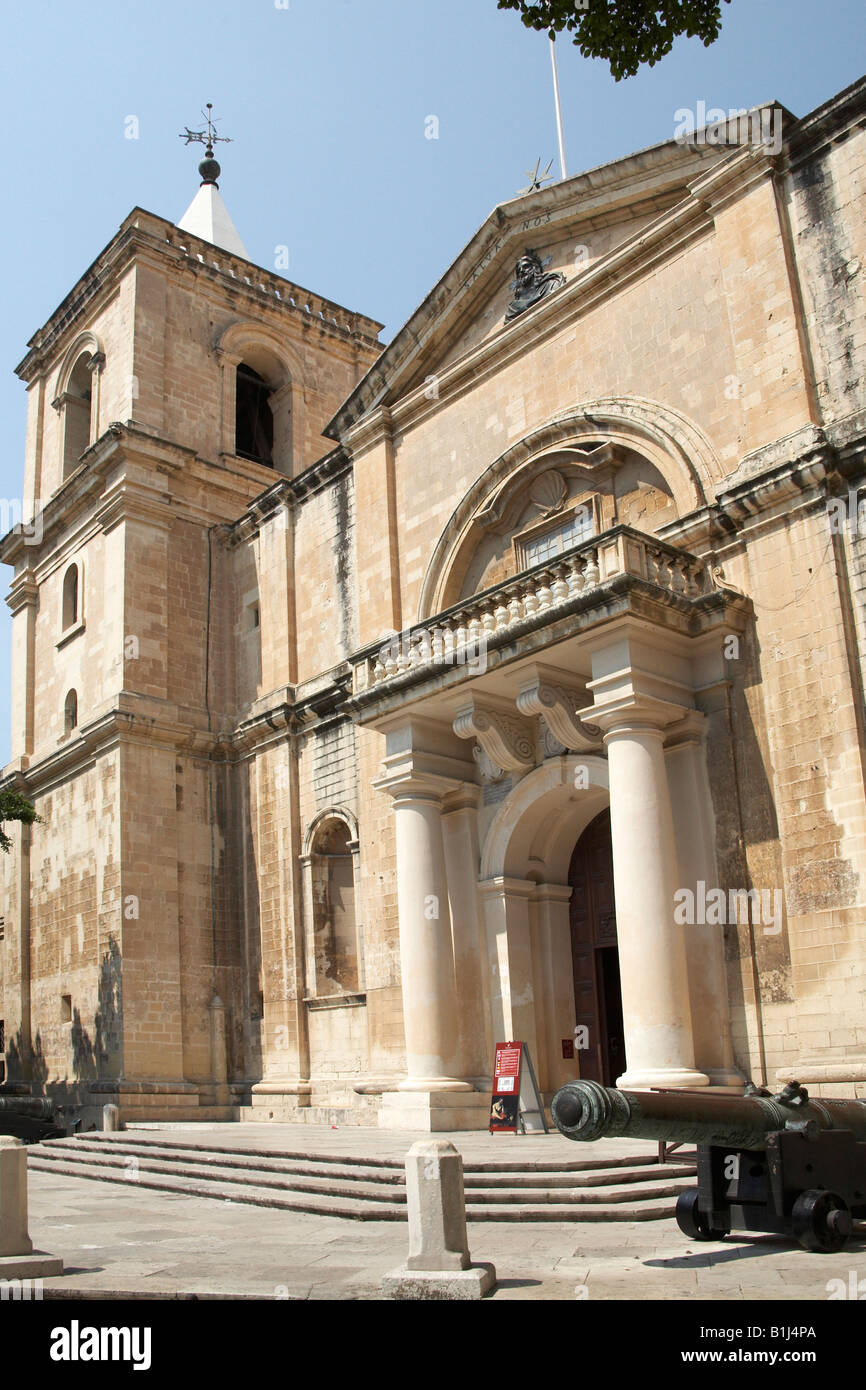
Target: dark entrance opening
{"x":597,"y":996}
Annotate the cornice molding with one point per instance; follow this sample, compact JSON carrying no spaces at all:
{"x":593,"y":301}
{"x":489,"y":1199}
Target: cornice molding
{"x":144,"y":236}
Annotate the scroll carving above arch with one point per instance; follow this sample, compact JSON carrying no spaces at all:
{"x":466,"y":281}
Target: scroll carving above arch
{"x":591,"y":435}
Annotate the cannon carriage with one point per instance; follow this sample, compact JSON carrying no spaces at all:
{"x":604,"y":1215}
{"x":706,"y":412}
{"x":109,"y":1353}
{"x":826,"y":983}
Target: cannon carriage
{"x":783,"y":1164}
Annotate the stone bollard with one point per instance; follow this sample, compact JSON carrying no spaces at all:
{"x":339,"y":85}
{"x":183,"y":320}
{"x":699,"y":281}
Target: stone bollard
{"x":438,"y":1265}
{"x":18,"y":1259}
{"x":110,"y":1118}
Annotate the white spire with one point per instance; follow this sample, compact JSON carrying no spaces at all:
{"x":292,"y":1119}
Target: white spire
{"x":208,"y":217}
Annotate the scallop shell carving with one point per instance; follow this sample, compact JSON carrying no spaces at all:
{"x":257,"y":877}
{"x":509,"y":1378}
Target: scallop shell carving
{"x":549,"y":491}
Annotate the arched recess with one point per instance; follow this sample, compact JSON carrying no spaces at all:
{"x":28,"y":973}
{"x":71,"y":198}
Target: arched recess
{"x":77,"y":399}
{"x":666,"y":439}
{"x":525,"y":894}
{"x":70,"y":712}
{"x":333,"y":944}
{"x":246,"y":351}
{"x":536,"y":827}
{"x":72,"y":607}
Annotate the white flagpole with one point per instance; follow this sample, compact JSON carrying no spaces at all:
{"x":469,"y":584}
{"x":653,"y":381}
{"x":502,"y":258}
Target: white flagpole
{"x":562,"y":164}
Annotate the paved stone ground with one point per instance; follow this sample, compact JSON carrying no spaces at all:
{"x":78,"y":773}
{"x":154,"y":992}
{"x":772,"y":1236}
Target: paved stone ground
{"x":147,"y":1242}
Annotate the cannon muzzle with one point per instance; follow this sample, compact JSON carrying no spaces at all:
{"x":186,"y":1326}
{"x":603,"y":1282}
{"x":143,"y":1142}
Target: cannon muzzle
{"x":584,"y":1110}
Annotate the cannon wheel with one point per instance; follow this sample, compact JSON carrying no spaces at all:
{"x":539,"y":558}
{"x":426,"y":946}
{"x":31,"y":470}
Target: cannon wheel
{"x":692,"y":1221}
{"x":821,"y":1221}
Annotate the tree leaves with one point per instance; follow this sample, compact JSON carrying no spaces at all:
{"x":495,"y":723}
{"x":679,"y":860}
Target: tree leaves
{"x":626,"y":33}
{"x":14,"y":807}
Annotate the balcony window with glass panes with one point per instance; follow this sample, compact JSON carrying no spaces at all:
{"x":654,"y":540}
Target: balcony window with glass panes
{"x":546,"y":542}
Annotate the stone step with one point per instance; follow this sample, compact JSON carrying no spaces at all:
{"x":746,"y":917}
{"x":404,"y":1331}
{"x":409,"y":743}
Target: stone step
{"x":646,"y":1209}
{"x":362,"y":1187}
{"x":319,"y":1205}
{"x":82,"y":1148}
{"x":132,"y":1141}
{"x":354,"y":1117}
{"x":156,"y":1137}
{"x":368,"y":1185}
{"x":131,"y":1166}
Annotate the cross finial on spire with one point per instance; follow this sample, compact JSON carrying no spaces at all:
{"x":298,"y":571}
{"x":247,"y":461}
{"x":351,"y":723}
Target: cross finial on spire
{"x":207,"y":137}
{"x":208,"y":168}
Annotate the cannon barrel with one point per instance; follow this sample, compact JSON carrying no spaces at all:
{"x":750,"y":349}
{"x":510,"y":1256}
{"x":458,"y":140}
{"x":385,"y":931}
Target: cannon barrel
{"x":584,"y":1110}
{"x":35,"y":1108}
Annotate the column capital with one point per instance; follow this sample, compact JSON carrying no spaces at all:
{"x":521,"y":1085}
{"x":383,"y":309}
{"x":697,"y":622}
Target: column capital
{"x":503,"y":887}
{"x":404,"y":784}
{"x":687,"y":732}
{"x":466,"y":797}
{"x":634,"y":713}
{"x":552,"y":893}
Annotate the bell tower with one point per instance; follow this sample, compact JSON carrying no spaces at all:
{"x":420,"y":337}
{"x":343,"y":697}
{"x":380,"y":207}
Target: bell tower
{"x":175,"y":384}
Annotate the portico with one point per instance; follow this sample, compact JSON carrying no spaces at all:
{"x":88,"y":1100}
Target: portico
{"x":498,"y":762}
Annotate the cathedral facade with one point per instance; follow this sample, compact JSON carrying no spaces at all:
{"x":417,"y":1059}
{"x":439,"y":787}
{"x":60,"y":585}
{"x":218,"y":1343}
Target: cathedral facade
{"x":380,"y":705}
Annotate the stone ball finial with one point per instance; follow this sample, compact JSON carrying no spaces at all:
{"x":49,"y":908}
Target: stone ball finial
{"x":209,"y":169}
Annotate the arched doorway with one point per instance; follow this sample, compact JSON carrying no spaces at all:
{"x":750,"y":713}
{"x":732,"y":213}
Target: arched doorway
{"x":595,"y":958}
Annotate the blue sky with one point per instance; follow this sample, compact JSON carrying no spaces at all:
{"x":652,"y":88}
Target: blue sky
{"x":326,"y":101}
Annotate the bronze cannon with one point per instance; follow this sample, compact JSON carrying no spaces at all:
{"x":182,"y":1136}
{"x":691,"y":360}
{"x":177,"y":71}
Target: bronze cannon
{"x":784,"y":1164}
{"x":30,"y":1118}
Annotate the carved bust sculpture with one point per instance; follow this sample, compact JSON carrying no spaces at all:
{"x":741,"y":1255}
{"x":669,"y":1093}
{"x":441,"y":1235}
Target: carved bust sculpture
{"x":531,"y":284}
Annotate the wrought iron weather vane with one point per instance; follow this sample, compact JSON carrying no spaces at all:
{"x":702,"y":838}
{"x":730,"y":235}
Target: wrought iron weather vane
{"x":209,"y":168}
{"x":537,"y":180}
{"x":208,"y":137}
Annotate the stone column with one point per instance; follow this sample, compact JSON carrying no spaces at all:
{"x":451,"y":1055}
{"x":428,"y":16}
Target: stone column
{"x":556,"y":971}
{"x":460,"y":834}
{"x":509,"y":947}
{"x":426,"y":952}
{"x":218,"y":1051}
{"x":229,"y":363}
{"x":95,"y":366}
{"x":652,"y":950}
{"x":705,"y":955}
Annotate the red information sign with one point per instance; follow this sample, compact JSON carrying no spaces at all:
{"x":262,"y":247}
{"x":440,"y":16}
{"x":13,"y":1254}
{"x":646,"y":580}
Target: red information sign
{"x":504,"y":1109}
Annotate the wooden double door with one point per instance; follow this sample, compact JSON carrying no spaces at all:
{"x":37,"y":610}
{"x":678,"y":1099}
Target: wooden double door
{"x":597,"y":996}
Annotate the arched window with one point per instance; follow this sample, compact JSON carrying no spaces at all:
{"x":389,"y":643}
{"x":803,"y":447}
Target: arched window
{"x":70,"y":597}
{"x":254,"y":419}
{"x":70,"y":712}
{"x":76,"y":403}
{"x":334,"y":925}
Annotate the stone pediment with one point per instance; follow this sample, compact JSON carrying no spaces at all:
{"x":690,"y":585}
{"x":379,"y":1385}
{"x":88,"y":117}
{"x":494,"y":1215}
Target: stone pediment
{"x":575,"y":227}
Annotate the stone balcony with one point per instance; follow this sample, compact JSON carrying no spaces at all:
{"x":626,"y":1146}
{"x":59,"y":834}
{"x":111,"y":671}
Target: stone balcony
{"x":621,"y":572}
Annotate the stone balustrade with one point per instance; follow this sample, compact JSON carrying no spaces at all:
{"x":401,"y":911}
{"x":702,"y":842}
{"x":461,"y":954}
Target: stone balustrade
{"x":461,"y":634}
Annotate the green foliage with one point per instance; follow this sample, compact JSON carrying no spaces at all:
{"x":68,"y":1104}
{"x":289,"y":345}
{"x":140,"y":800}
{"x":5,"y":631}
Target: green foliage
{"x":626,"y":33}
{"x":14,"y":807}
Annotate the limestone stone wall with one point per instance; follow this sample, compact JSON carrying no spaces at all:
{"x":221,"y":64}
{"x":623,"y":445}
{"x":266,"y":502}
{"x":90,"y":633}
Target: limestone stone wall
{"x":222,"y":604}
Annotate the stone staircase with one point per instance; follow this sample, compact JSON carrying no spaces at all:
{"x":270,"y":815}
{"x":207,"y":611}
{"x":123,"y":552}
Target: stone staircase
{"x":364,"y":1188}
